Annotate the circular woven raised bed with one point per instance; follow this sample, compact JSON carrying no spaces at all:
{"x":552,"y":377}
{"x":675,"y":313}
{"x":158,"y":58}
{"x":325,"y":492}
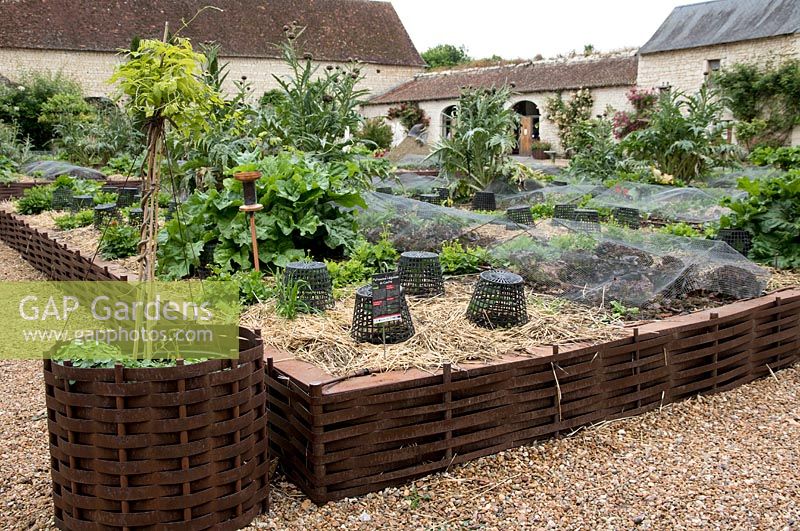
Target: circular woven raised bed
{"x":165,"y":448}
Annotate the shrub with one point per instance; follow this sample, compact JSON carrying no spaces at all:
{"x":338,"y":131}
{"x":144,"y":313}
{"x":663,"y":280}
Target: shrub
{"x":22,"y":103}
{"x":541,"y":145}
{"x":95,"y":142}
{"x":36,"y":200}
{"x":73,"y":221}
{"x":11,"y":147}
{"x":408,"y":114}
{"x":376,"y":133}
{"x":119,"y":241}
{"x":595,"y":153}
{"x":765,"y":100}
{"x":567,"y":114}
{"x":8,"y":170}
{"x":771,"y":213}
{"x":643,"y":103}
{"x":318,"y":108}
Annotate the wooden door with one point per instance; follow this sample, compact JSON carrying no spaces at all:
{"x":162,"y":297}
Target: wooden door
{"x":525,"y":135}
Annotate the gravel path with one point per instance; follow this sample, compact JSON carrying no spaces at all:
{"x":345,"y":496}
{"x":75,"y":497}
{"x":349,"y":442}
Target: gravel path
{"x":729,"y":461}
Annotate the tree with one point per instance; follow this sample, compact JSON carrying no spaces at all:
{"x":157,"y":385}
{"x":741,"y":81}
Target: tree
{"x":446,"y":55}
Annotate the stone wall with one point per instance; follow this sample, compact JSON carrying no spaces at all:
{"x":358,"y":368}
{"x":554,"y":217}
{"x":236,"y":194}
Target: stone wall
{"x":603,"y":97}
{"x":92,"y":69}
{"x":684,"y":70}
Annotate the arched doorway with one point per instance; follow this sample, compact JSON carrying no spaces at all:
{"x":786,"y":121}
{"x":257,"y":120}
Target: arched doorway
{"x":528,"y":129}
{"x":448,"y":118}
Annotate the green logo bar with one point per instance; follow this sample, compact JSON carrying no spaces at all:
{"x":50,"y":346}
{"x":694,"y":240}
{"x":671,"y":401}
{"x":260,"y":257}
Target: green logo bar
{"x":135,"y":323}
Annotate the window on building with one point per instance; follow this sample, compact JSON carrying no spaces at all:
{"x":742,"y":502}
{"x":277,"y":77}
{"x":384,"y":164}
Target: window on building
{"x":712,"y":67}
{"x":448,"y":117}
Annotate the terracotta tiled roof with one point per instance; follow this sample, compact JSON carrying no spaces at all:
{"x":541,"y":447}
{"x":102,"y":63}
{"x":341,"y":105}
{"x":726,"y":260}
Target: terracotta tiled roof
{"x":724,"y":21}
{"x":336,"y":29}
{"x":526,"y":77}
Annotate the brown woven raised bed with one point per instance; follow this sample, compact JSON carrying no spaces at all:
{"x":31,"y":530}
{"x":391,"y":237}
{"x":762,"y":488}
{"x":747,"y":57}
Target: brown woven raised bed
{"x":15,"y":190}
{"x":180,"y":448}
{"x":350,"y":437}
{"x":53,"y":258}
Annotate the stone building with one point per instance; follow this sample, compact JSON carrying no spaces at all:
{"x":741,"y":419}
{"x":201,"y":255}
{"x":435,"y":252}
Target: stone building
{"x":696,"y":40}
{"x":607,"y":78}
{"x":82,"y":37}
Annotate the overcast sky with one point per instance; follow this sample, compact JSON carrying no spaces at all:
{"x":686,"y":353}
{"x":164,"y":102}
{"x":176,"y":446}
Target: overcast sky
{"x":520,"y":28}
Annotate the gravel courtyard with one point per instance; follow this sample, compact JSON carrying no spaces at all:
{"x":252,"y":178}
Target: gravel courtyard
{"x":729,"y":461}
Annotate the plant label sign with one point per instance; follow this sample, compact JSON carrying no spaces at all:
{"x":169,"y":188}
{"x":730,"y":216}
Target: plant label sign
{"x":386,"y":301}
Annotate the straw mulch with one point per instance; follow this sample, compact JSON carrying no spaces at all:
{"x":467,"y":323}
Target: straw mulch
{"x":783,"y":278}
{"x":443,"y":334}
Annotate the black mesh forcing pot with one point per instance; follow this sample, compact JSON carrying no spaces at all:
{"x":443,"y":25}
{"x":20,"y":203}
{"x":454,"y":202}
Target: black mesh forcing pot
{"x":82,"y":202}
{"x":421,"y":273}
{"x":104,"y":214}
{"x":627,"y":217}
{"x":315,"y":288}
{"x":520,"y":214}
{"x":564,"y":211}
{"x":365,"y":331}
{"x":62,"y":198}
{"x":741,"y":240}
{"x":587,"y":220}
{"x":484,"y":201}
{"x":136,"y":217}
{"x":498,"y":300}
{"x":126,"y":196}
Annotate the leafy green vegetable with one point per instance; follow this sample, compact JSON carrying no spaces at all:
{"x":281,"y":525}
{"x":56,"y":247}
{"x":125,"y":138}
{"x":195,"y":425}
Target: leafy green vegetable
{"x":308,"y":204}
{"x":36,"y":200}
{"x":456,"y":260}
{"x":119,"y":241}
{"x":771,"y":213}
{"x":74,"y":221}
{"x":785,"y":158}
{"x":99,"y":355}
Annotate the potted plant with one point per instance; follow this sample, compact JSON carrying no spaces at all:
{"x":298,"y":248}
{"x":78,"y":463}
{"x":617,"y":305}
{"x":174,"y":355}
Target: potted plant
{"x":538,"y":148}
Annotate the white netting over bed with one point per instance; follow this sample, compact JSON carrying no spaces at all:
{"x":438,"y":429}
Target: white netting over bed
{"x":628,"y":266}
{"x":694,"y":205}
{"x":583,"y":262}
{"x":413,"y":225}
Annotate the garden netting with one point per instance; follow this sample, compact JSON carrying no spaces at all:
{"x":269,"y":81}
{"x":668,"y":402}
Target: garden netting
{"x":411,"y":184}
{"x":598,"y":266}
{"x":729,"y":178}
{"x":583,"y":262}
{"x":687,"y":204}
{"x":413,"y":225}
{"x":566,"y":194}
{"x":50,"y":169}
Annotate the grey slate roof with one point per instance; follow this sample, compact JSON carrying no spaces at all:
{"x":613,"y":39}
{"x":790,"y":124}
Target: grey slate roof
{"x":724,"y":21}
